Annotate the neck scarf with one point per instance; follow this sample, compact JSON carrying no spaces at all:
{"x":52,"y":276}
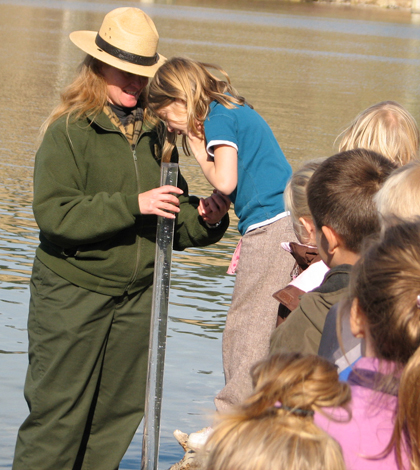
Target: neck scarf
{"x":133,"y":122}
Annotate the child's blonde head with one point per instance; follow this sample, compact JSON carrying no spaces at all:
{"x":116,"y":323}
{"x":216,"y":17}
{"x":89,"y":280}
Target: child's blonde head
{"x":399,"y":197}
{"x":274,"y":427}
{"x":192,"y":83}
{"x":386,"y":128}
{"x":295,"y":198}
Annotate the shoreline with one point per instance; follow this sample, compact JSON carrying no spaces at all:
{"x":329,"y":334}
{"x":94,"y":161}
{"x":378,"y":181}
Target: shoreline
{"x":400,"y":5}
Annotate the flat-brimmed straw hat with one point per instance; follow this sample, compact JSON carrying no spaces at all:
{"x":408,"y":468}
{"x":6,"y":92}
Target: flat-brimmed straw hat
{"x":127,"y":40}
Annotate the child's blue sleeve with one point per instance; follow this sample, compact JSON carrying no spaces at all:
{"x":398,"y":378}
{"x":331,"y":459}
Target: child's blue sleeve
{"x":221,"y":125}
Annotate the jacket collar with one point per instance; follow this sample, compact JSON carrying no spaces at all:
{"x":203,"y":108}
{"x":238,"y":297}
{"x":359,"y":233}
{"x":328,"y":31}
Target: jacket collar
{"x":102,"y":120}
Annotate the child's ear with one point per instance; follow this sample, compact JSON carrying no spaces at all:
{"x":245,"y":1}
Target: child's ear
{"x":357,"y":320}
{"x":309,"y":226}
{"x":332,"y":238}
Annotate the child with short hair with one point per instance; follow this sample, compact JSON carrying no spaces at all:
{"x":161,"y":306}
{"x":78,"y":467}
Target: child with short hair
{"x":240,"y":157}
{"x":384,"y":309}
{"x":309,"y":269}
{"x":387,"y":128}
{"x":274,"y":428}
{"x":340,"y":197}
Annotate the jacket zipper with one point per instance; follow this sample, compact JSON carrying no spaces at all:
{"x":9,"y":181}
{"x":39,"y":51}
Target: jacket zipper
{"x":138,"y":238}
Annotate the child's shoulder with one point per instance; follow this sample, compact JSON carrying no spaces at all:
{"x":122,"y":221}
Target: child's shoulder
{"x":217,"y":108}
{"x":336,"y":278}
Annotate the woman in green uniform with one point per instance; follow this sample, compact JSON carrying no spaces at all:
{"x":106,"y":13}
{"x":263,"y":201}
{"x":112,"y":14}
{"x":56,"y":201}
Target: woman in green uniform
{"x":97,"y":196}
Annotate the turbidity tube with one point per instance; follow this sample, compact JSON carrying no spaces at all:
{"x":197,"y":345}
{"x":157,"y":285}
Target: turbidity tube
{"x":158,"y":328}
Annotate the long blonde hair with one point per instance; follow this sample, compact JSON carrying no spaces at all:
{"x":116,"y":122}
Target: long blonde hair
{"x":86,"y":95}
{"x":387,"y":128}
{"x":386,"y":284}
{"x":274,"y":427}
{"x":191,"y":82}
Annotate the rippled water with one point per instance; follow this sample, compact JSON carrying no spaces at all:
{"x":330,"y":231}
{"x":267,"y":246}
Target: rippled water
{"x":307,"y":68}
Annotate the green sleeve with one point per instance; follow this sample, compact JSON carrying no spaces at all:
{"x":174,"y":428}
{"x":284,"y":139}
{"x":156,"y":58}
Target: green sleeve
{"x":65,"y":214}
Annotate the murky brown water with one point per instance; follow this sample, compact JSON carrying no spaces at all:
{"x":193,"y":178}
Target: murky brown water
{"x":307,"y":68}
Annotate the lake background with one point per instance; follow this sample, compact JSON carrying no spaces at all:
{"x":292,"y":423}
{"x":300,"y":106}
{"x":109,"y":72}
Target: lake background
{"x":307,"y":68}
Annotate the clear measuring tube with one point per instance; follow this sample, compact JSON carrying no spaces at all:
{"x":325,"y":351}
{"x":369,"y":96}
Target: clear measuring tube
{"x":158,"y":328}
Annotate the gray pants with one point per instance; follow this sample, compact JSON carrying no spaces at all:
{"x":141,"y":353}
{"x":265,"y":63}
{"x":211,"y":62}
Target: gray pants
{"x":86,"y":378}
{"x":264,"y":267}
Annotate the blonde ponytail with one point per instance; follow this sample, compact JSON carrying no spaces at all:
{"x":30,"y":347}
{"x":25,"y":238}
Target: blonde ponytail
{"x":274,"y":427}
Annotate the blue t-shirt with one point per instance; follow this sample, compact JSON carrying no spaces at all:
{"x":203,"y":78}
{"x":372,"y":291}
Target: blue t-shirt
{"x":263,"y":170}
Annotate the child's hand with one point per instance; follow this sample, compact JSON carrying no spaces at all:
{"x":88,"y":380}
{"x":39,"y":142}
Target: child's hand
{"x":160,"y":201}
{"x":213,"y":208}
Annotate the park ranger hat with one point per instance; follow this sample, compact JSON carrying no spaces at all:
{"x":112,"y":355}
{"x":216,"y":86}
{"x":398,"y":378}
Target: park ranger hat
{"x":127,"y":40}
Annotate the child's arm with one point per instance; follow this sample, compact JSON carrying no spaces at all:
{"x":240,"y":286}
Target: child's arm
{"x":222,"y":171}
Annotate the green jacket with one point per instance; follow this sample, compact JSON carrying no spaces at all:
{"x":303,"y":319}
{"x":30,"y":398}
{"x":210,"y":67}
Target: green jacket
{"x":301,"y":331}
{"x":86,"y":184}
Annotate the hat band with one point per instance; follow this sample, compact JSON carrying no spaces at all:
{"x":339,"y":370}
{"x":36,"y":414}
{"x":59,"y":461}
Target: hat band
{"x":124,"y":55}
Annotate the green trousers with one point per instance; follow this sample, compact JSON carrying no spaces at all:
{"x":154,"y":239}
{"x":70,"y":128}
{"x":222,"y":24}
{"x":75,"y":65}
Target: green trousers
{"x":85,"y":384}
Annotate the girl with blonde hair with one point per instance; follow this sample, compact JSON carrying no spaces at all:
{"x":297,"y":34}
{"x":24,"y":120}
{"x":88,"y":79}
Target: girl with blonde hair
{"x":296,"y":201}
{"x":387,"y":128}
{"x":309,"y":269}
{"x":241,"y":158}
{"x":384,"y":307}
{"x":274,"y":428}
